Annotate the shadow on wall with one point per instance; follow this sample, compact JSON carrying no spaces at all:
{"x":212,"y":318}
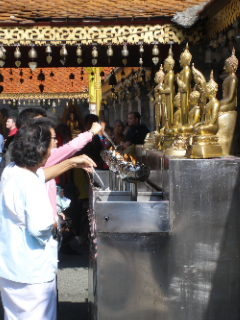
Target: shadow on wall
{"x":73,"y":311}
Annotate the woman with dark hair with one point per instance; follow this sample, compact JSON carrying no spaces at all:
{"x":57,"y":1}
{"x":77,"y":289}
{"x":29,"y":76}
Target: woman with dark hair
{"x":28,"y":252}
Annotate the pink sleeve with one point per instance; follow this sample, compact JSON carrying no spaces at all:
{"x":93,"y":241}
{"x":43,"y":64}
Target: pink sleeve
{"x":69,"y":149}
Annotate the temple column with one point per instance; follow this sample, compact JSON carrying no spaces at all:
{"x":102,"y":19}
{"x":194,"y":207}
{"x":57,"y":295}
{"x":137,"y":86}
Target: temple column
{"x":98,"y":89}
{"x":94,"y":89}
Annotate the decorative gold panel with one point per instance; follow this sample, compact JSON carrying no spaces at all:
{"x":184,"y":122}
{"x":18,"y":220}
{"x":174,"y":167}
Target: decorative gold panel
{"x":224,"y":18}
{"x":101,"y":35}
{"x":59,"y":95}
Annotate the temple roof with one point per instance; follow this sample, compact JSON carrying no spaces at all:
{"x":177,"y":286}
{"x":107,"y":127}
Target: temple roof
{"x":33,"y":11}
{"x":57,"y":83}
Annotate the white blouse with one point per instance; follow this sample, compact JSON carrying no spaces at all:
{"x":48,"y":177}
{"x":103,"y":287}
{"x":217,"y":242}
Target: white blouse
{"x":28,"y":252}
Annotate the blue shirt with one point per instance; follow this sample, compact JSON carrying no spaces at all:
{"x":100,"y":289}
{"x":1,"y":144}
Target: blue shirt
{"x":28,"y":252}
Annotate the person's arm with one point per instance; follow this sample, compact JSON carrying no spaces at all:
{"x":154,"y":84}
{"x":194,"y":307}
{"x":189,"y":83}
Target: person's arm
{"x":82,"y":161}
{"x":69,"y":149}
{"x":125,"y":145}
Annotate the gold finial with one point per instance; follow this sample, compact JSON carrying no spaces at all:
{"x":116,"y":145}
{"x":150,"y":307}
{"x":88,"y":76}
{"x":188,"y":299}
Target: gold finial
{"x":170,"y":59}
{"x":160,"y":75}
{"x":233,"y":61}
{"x":211,"y":85}
{"x":186,"y":55}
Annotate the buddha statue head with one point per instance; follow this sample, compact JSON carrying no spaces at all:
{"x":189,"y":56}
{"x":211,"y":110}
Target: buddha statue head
{"x":159,"y":76}
{"x":169,"y":62}
{"x":231,"y":64}
{"x":194,"y":97}
{"x":185,"y":57}
{"x":211,"y":87}
{"x":177,"y":101}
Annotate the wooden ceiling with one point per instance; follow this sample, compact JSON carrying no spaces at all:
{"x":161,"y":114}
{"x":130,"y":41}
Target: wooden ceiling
{"x":31,"y":11}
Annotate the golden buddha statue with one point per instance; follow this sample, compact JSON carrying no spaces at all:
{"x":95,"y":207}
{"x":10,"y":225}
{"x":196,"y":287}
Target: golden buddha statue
{"x":158,"y":103}
{"x":227,"y":115}
{"x":73,"y":125}
{"x":200,"y":85}
{"x":184,"y":82}
{"x":169,"y":87}
{"x":177,"y":117}
{"x":205,"y":142}
{"x":179,"y":144}
{"x":194,"y":114}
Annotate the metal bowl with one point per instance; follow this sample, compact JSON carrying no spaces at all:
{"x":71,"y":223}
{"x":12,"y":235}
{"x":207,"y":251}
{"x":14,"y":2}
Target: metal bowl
{"x":133,"y":173}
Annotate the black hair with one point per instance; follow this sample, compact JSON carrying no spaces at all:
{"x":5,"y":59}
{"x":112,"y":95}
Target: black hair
{"x":44,"y":121}
{"x":27,"y":115}
{"x":30,"y":145}
{"x":136,"y":115}
{"x":14,"y":119}
{"x":90,"y":118}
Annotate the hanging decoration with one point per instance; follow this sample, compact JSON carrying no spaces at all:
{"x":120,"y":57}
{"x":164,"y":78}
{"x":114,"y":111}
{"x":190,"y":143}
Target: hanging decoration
{"x":109,"y":53}
{"x":155,"y":53}
{"x":79,"y":54}
{"x":41,"y":88}
{"x":2,"y":56}
{"x":41,"y":76}
{"x":32,"y":54}
{"x":11,"y":73}
{"x":102,"y":74}
{"x":94,"y":55}
{"x":1,"y":77}
{"x":21,"y":75}
{"x":17,"y":55}
{"x":48,"y":52}
{"x":125,"y":53}
{"x":141,"y":50}
{"x":63,"y":54}
{"x":30,"y":77}
{"x":51,"y":74}
{"x":72,"y":77}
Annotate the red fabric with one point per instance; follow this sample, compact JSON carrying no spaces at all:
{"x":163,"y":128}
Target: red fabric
{"x":13,"y":132}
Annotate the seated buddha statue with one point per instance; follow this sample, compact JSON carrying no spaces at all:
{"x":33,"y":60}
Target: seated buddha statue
{"x":194,"y":113}
{"x":210,"y":125}
{"x":229,"y":101}
{"x":205,"y":141}
{"x":73,"y":125}
{"x":227,"y":116}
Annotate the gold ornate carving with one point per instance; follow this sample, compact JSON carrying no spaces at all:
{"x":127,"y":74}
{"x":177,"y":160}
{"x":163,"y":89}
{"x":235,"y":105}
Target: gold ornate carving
{"x":224,"y":18}
{"x":101,"y":34}
{"x":36,"y":95}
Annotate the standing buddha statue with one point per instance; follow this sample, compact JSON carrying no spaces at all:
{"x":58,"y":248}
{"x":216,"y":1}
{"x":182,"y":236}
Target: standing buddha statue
{"x":169,"y":87}
{"x":227,"y":115}
{"x":158,"y":102}
{"x":184,"y":82}
{"x":205,"y":142}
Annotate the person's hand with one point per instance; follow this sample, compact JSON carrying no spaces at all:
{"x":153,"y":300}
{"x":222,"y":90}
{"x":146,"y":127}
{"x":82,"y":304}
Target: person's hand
{"x":96,"y":128}
{"x":62,"y":215}
{"x":84,"y":162}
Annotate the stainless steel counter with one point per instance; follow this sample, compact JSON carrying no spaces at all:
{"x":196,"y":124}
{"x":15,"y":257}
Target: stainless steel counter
{"x":177,"y":259}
